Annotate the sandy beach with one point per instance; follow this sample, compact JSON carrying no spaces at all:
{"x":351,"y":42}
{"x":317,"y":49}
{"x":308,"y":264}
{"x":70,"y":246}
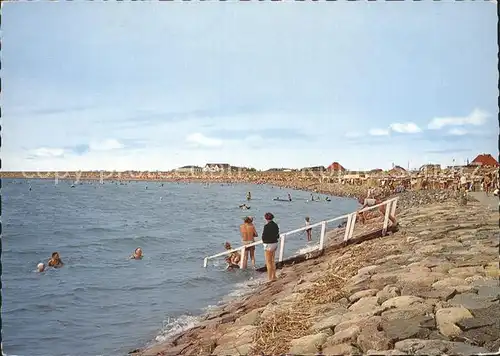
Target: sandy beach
{"x":429,"y":288}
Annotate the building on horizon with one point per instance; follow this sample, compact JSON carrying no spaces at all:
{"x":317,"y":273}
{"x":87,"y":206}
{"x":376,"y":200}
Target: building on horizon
{"x":484,"y":160}
{"x":216,"y":167}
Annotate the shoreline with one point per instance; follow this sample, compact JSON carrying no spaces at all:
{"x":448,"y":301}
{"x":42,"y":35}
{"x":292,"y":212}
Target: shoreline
{"x":216,"y":332}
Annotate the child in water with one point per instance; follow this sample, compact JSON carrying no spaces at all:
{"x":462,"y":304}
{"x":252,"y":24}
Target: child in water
{"x":308,"y":231}
{"x":233,"y":259}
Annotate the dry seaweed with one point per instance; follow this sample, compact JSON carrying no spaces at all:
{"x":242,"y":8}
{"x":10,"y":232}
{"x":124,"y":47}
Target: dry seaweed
{"x":274,"y":334}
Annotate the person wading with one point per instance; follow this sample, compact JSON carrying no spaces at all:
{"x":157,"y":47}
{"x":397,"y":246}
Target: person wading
{"x":270,"y":236}
{"x":248,"y":235}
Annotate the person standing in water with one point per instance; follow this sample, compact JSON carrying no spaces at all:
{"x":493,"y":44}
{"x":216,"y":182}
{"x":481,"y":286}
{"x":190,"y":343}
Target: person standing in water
{"x":270,"y":236}
{"x":249,"y":196}
{"x":248,"y":235}
{"x":289,"y":197}
{"x":308,"y":231}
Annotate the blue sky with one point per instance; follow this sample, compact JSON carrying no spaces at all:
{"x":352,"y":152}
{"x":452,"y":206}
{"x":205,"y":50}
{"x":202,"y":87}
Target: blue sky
{"x":156,"y":85}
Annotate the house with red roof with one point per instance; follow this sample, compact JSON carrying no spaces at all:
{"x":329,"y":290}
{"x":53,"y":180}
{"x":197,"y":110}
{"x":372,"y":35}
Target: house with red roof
{"x":335,"y":166}
{"x":484,"y":160}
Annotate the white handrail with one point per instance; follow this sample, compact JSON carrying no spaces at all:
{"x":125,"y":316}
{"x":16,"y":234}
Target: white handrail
{"x":349,"y":231}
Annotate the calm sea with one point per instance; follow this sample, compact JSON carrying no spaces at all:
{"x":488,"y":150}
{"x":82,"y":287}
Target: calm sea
{"x":102,"y":303}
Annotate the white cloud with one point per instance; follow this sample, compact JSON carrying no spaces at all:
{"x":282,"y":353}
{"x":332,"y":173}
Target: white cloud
{"x":200,"y":140}
{"x":407,"y":127}
{"x":45,"y":152}
{"x":457,"y":132}
{"x":378,"y":132}
{"x":476,"y":118}
{"x":106,"y":145}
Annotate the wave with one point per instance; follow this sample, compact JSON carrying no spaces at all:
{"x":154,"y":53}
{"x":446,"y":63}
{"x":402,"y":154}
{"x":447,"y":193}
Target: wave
{"x":175,"y":326}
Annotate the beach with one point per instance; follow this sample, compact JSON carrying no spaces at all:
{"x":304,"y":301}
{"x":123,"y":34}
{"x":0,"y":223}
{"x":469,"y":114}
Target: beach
{"x":355,"y":286}
{"x":430,"y":288}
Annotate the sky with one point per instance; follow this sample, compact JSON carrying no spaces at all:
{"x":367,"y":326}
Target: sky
{"x":159,"y":85}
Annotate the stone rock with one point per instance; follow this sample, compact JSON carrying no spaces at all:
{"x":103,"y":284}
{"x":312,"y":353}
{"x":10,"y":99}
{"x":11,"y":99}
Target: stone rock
{"x":404,"y":301}
{"x":396,"y":258}
{"x":361,"y":294}
{"x":361,"y":320}
{"x":251,"y":318}
{"x":422,"y":347}
{"x":364,"y":304}
{"x":400,"y":329}
{"x":460,"y":348}
{"x":464,"y":272}
{"x":329,"y":309}
{"x":388,"y":292}
{"x":443,"y":267}
{"x":223,"y":350}
{"x":486,"y":321}
{"x":309,"y":344}
{"x":429,"y":249}
{"x":345,"y":336}
{"x":386,"y":276}
{"x":371,"y":339}
{"x":368,"y":270}
{"x":342,"y":349}
{"x":357,"y":279}
{"x":329,"y":322}
{"x":421,"y":277}
{"x":415,"y":310}
{"x":386,"y":353}
{"x":446,"y":319}
{"x":241,"y":335}
{"x":448,"y":282}
{"x":479,"y":281}
{"x":442,"y":293}
{"x":489,"y":291}
{"x":472,"y":301}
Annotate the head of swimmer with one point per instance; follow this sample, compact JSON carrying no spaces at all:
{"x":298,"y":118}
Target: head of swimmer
{"x":55,"y":259}
{"x":138,"y":253}
{"x":40,"y":267}
{"x":227,"y":246}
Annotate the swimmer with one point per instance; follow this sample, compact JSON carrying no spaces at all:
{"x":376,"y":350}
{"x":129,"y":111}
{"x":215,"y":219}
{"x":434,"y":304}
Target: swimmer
{"x":55,"y":261}
{"x":249,"y":196}
{"x":137,"y":254}
{"x":289,"y":197}
{"x":40,"y":267}
{"x":233,"y":259}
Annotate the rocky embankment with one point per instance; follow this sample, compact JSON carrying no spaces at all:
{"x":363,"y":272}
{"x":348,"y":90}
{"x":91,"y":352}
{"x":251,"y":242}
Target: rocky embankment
{"x":431,"y":288}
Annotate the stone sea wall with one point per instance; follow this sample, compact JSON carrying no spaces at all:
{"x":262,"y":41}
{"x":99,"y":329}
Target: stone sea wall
{"x":430,"y":288}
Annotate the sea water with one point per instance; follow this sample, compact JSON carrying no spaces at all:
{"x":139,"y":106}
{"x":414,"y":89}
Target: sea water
{"x":102,"y":303}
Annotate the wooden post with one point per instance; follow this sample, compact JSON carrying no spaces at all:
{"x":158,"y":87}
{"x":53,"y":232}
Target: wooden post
{"x":322,"y":237}
{"x":282,"y":248}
